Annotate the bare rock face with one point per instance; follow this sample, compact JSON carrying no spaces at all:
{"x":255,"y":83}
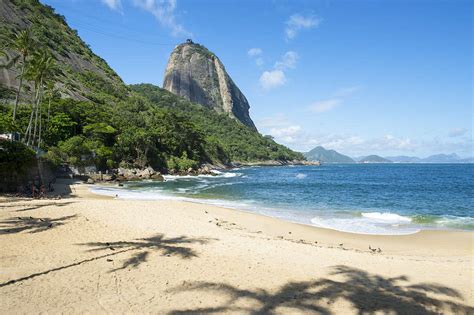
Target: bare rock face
{"x":195,"y":73}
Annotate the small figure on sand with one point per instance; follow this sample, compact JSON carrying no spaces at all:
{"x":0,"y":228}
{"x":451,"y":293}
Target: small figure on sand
{"x":42,"y":192}
{"x":34,"y":191}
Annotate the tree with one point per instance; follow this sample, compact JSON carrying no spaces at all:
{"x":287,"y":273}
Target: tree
{"x":41,"y":68}
{"x":51,"y":92}
{"x":23,"y":44}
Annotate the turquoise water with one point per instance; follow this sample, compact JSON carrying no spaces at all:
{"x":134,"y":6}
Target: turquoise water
{"x":359,"y":198}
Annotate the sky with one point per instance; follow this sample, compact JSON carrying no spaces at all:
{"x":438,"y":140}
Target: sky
{"x":361,"y":77}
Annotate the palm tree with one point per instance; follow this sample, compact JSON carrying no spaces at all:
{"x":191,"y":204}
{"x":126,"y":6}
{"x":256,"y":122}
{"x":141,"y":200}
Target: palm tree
{"x":23,"y":44}
{"x":42,"y":67}
{"x":50,"y":92}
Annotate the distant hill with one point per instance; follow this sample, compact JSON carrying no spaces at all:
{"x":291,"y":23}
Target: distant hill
{"x":403,"y":159}
{"x":437,"y":158}
{"x":374,"y":159}
{"x":327,"y":156}
{"x":442,"y":158}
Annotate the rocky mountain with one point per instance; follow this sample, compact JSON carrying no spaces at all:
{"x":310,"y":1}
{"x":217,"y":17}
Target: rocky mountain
{"x":373,"y":159}
{"x":327,"y":156}
{"x":83,"y":75}
{"x":195,"y":73}
{"x":99,"y":122}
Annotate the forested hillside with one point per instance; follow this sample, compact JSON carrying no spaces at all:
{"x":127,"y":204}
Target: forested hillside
{"x":65,"y":100}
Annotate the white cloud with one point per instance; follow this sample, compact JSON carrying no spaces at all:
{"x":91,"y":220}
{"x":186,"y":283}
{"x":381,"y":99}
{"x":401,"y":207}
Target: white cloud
{"x":457,"y":132}
{"x":336,"y":100}
{"x":324,"y":106}
{"x":272,"y":79}
{"x":297,"y":22}
{"x":113,"y":4}
{"x":293,"y":135}
{"x":287,"y":61}
{"x":164,"y":12}
{"x":276,"y":77}
{"x":254,"y":52}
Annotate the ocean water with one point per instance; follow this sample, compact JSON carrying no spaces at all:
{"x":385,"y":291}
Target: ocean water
{"x":360,"y":198}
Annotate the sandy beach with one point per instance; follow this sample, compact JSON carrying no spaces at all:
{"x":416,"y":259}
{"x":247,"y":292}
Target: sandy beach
{"x":91,"y":254}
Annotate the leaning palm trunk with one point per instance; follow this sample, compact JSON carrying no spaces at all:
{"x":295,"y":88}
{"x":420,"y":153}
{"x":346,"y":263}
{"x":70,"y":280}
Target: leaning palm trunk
{"x":49,"y":106}
{"x":17,"y":98}
{"x":30,"y":124}
{"x":36,"y":119}
{"x":38,"y":109}
{"x":40,"y":126}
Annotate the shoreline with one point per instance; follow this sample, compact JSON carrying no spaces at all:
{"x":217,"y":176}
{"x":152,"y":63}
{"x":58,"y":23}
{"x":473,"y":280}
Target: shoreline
{"x":222,"y":204}
{"x":422,"y":242}
{"x":88,"y":253}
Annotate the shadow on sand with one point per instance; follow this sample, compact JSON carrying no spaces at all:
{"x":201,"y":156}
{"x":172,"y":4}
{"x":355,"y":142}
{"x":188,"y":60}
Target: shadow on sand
{"x":141,"y":249}
{"x":367,"y":293}
{"x":144,"y":246}
{"x":31,"y":225}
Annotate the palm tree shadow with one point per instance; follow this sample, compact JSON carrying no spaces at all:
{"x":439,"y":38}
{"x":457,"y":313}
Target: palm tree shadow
{"x":144,"y":246}
{"x":31,"y":225}
{"x":367,"y":293}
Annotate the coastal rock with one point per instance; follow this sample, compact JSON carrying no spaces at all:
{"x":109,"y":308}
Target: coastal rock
{"x":195,"y":73}
{"x":125,"y":174}
{"x":157,"y":177}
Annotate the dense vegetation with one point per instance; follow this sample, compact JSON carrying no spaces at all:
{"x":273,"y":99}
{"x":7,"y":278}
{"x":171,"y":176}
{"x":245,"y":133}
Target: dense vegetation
{"x":110,"y":124}
{"x":167,"y":132}
{"x":80,"y":70}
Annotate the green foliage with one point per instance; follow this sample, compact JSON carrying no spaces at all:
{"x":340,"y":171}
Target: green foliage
{"x":77,"y":151}
{"x":59,"y":128}
{"x":55,"y":157}
{"x":51,"y":32}
{"x":115,"y":124}
{"x":15,"y":156}
{"x":222,"y":139}
{"x":181,"y":164}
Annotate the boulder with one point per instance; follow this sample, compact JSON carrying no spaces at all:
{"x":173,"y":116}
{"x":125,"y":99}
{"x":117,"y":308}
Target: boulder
{"x":157,"y":177}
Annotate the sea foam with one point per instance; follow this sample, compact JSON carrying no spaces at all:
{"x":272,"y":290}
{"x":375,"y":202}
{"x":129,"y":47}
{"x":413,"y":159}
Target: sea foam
{"x":380,"y":223}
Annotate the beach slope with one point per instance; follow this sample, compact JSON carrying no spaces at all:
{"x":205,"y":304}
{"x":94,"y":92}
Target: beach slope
{"x":89,"y":254}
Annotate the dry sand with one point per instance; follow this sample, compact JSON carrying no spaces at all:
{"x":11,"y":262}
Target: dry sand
{"x":90,"y":254}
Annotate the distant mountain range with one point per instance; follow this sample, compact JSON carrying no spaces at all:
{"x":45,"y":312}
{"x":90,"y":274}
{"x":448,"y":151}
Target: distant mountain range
{"x":327,"y":156}
{"x":437,"y":158}
{"x":331,"y":156}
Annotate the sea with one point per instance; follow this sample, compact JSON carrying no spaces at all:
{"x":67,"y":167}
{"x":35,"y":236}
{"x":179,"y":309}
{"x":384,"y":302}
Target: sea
{"x":384,"y":199}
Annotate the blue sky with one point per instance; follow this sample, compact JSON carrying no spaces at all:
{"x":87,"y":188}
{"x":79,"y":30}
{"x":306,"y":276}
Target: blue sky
{"x":361,"y":77}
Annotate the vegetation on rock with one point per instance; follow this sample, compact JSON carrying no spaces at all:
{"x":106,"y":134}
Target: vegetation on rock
{"x":83,"y":114}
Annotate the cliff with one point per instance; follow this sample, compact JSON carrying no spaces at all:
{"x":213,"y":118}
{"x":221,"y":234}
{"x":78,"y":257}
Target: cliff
{"x":195,"y":73}
{"x":82,"y":74}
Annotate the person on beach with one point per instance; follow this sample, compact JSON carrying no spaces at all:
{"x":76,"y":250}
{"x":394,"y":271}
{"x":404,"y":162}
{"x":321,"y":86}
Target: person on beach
{"x":34,"y":191}
{"x":42,"y":192}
